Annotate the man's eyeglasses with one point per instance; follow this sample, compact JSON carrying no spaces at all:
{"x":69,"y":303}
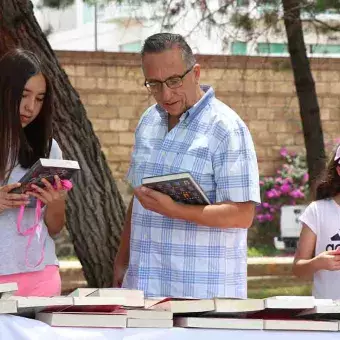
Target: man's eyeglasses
{"x":172,"y":82}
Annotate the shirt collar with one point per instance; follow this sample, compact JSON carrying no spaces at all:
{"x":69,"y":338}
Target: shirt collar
{"x":196,"y":108}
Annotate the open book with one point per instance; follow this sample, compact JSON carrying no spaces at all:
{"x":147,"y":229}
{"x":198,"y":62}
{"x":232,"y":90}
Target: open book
{"x":181,"y":187}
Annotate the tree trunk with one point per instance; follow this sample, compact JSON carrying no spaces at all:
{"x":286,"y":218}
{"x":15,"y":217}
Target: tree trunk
{"x":95,"y":209}
{"x":305,"y":89}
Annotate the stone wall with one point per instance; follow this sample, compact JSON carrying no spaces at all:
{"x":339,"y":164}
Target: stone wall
{"x":261,"y":90}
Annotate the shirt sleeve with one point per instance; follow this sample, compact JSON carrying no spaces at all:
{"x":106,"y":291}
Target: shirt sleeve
{"x":309,"y":217}
{"x":55,"y":152}
{"x":235,"y":168}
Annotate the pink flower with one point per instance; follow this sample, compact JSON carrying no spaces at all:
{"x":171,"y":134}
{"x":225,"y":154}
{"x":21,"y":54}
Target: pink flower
{"x":285,"y":188}
{"x":260,"y":218}
{"x":297,"y":194}
{"x":305,"y":178}
{"x":265,"y":205}
{"x":268,"y":217}
{"x":288,"y":180}
{"x":284,"y":152}
{"x":273,"y":193}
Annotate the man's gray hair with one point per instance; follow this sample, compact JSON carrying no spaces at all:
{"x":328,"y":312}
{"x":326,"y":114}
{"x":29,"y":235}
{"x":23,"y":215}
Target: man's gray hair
{"x":161,"y":42}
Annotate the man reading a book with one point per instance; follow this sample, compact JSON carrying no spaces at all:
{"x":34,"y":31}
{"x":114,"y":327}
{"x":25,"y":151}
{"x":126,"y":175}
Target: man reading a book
{"x":180,"y":250}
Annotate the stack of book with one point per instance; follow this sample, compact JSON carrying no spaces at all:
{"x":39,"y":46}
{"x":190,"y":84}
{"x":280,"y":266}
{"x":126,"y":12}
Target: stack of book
{"x":7,"y":306}
{"x":273,"y":313}
{"x":120,"y":308}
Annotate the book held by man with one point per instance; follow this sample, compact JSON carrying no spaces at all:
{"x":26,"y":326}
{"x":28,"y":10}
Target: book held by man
{"x":181,"y":187}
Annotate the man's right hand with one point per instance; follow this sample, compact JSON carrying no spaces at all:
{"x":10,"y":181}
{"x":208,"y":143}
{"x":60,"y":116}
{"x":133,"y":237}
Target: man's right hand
{"x":9,"y":201}
{"x":119,"y":271}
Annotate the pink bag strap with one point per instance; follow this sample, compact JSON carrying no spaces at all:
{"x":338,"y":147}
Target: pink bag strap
{"x":36,"y":227}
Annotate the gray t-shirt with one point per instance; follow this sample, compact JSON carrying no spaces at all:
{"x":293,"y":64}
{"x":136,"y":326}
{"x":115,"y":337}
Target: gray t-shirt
{"x":13,"y":245}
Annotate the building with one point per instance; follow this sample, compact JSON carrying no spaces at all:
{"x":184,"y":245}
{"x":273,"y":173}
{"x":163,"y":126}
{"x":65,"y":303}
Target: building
{"x":125,"y":27}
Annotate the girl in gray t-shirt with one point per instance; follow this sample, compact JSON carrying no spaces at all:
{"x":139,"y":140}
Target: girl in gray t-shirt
{"x":27,"y":256}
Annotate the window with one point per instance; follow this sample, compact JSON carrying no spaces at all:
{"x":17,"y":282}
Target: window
{"x":268,"y":2}
{"x":325,"y":49}
{"x":238,"y":48}
{"x":135,"y":46}
{"x":242,"y":3}
{"x":88,"y":12}
{"x":272,"y":48}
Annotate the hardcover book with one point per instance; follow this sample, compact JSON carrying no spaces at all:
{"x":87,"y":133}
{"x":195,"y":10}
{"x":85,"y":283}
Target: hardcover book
{"x":181,"y":187}
{"x":8,"y":289}
{"x":46,"y":168}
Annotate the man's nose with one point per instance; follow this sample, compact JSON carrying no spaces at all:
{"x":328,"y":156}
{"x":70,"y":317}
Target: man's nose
{"x":166,"y":92}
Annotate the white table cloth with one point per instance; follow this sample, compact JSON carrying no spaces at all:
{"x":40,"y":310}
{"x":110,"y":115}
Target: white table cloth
{"x":18,"y":328}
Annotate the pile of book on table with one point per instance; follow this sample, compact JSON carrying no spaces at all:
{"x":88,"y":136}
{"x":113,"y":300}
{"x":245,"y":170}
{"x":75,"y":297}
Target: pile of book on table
{"x":120,"y":308}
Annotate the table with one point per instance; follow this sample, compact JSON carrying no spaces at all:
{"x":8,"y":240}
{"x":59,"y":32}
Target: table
{"x":18,"y":328}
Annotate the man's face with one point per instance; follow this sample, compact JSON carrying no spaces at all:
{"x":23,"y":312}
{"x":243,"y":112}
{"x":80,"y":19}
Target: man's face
{"x":168,"y":65}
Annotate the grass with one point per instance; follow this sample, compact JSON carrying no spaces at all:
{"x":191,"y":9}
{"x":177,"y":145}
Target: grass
{"x":67,"y":258}
{"x":264,"y":250}
{"x":278,"y":291}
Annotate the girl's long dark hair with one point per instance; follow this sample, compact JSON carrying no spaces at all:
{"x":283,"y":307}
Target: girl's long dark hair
{"x":21,"y":145}
{"x":329,"y":185}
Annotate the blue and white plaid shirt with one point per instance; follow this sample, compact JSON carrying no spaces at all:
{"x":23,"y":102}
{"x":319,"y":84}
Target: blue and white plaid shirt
{"x":176,"y":258}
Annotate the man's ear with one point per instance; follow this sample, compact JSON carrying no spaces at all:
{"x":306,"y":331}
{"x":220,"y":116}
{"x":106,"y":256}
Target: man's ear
{"x":338,"y":169}
{"x":197,"y":73}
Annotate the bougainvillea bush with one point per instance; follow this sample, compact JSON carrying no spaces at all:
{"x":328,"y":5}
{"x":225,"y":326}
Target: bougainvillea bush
{"x":288,"y":187}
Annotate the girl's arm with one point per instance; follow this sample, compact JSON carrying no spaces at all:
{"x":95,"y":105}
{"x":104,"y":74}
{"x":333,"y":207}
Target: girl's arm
{"x":305,"y":263}
{"x":55,"y":216}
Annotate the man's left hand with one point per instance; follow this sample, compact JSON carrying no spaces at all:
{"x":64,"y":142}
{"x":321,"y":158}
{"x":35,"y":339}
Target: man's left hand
{"x":156,"y":201}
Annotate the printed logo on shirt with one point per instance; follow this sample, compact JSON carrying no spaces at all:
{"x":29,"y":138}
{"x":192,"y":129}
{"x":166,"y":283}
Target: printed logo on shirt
{"x":332,"y":246}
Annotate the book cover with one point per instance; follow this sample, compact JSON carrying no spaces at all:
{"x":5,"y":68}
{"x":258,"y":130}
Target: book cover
{"x":46,"y":168}
{"x":184,"y":306}
{"x":133,"y":297}
{"x":8,"y":306}
{"x":181,"y":187}
{"x":301,"y":325}
{"x":8,"y":289}
{"x":149,"y":323}
{"x":218,"y":323}
{"x":83,"y":320}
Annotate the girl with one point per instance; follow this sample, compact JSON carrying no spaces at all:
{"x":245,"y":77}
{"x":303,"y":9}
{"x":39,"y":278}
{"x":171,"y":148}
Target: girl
{"x":318,"y":251}
{"x":26,"y":108}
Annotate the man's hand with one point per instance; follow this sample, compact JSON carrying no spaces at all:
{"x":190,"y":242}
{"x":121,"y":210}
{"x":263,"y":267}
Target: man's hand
{"x":156,"y":201}
{"x":119,"y":271}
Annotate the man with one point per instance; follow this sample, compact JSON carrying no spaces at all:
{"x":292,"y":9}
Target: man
{"x":171,"y":249}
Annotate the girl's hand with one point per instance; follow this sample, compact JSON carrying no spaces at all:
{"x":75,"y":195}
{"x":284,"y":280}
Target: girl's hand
{"x":49,"y":194}
{"x":328,"y":260}
{"x":9,"y":201}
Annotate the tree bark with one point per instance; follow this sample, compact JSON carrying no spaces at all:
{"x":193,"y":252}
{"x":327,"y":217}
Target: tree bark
{"x":305,"y":89}
{"x":95,"y":210}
